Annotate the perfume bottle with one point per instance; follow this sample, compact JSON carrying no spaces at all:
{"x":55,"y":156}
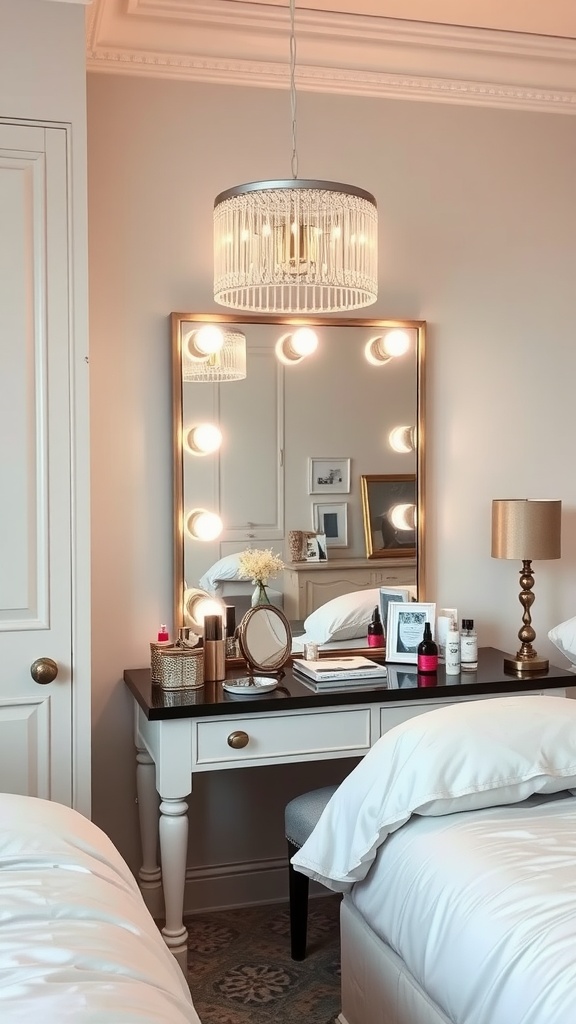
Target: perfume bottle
{"x":468,"y":646}
{"x":453,"y":650}
{"x":375,"y":635}
{"x":427,"y":652}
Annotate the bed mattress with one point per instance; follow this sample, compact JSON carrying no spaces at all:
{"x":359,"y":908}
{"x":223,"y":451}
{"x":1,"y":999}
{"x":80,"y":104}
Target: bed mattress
{"x":76,"y":940}
{"x":481,"y":907}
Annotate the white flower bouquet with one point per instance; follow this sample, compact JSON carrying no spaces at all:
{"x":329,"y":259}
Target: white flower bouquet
{"x":259,"y":566}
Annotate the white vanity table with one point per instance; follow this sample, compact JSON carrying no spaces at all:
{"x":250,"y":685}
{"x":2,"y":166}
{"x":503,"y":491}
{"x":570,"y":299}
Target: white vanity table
{"x":308,"y":585}
{"x":180,"y":733}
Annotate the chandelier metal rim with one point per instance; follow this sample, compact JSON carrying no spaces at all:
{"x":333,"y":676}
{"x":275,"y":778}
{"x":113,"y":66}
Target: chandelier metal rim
{"x":304,"y":184}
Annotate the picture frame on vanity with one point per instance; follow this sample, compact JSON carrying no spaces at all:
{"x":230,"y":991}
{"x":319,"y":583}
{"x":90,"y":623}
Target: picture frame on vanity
{"x":328,"y":476}
{"x":405,"y":629}
{"x":389,"y":506}
{"x":331,"y":519}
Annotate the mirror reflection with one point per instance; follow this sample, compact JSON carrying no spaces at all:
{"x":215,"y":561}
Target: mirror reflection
{"x":265,"y":639}
{"x":276,"y":423}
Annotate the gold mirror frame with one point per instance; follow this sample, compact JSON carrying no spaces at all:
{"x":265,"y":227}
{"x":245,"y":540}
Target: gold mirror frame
{"x":177,"y":319}
{"x":284,"y":650}
{"x":381,"y":494}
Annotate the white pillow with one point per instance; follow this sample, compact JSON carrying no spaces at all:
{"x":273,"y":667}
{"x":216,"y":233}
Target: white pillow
{"x":343,"y":618}
{"x":481,"y":753}
{"x":564,"y":638}
{"x":226,"y":568}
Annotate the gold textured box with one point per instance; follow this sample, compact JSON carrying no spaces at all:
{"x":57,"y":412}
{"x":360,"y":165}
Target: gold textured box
{"x":155,"y":648}
{"x":181,"y":669}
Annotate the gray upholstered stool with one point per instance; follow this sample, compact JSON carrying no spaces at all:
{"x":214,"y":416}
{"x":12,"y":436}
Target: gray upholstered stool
{"x":300,"y":817}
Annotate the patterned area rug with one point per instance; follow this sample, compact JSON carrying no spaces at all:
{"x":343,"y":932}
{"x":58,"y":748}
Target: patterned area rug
{"x":240,"y":970}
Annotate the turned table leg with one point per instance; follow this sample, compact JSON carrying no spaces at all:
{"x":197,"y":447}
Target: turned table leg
{"x":149,"y":875}
{"x":173,"y":855}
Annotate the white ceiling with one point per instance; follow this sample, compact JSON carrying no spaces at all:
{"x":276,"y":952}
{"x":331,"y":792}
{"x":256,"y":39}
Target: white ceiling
{"x":513,"y":53}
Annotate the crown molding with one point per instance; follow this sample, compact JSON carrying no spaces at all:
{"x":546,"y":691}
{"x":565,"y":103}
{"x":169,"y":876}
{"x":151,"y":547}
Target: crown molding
{"x":239,"y":43}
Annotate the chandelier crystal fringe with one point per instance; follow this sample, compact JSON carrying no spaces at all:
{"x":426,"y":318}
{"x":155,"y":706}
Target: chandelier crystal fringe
{"x":295,"y":245}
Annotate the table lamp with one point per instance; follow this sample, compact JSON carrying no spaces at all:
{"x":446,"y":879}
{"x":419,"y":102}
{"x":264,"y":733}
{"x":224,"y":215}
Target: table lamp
{"x":526,"y":529}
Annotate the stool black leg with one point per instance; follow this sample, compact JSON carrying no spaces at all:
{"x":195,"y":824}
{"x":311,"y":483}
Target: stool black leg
{"x":298,"y":889}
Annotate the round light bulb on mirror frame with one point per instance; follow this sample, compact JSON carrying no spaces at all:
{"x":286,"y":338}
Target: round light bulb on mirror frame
{"x":204,"y":342}
{"x":204,"y":525}
{"x":295,"y":346}
{"x":403,"y":516}
{"x":381,"y":349}
{"x":402,"y":439}
{"x":199,"y":603}
{"x":204,"y":439}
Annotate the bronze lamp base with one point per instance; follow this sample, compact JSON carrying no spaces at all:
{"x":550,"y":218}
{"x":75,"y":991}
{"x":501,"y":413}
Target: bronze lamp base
{"x":523,"y":666}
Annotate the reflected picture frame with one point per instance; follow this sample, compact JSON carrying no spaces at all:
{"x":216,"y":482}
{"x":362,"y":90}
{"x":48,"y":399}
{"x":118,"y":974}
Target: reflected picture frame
{"x":314,"y":547}
{"x":328,"y":475}
{"x":331,"y":519}
{"x":405,"y":629}
{"x":389,"y":595}
{"x":389,"y":506}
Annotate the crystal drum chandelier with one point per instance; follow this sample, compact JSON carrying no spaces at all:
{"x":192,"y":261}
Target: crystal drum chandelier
{"x":295,"y":245}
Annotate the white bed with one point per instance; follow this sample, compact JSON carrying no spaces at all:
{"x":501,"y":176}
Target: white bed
{"x":467,"y":917}
{"x":76,"y":940}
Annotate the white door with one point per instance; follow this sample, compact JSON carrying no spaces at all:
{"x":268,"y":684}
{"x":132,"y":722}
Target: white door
{"x":36,"y":751}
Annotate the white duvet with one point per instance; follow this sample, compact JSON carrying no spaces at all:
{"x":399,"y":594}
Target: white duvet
{"x":77,"y":943}
{"x":481,"y":906}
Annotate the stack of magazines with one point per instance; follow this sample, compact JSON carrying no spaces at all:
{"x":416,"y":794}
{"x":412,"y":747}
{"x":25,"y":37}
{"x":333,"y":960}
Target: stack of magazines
{"x":328,"y":673}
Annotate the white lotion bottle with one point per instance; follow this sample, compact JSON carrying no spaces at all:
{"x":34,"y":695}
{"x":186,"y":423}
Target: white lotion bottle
{"x":453,"y":650}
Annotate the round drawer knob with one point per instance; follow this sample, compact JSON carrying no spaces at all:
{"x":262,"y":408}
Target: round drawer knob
{"x":238,"y":740}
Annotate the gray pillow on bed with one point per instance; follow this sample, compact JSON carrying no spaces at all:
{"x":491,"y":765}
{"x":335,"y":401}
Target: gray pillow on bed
{"x":480,"y":753}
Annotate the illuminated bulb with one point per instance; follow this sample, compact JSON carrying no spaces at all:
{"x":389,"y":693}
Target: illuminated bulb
{"x":382,"y":349}
{"x":204,"y":439}
{"x":304,"y":341}
{"x":198,"y":604}
{"x":205,"y":342}
{"x":396,"y":343}
{"x":293,"y":348}
{"x":403,"y":517}
{"x":203,"y":525}
{"x":204,"y":606}
{"x":402,"y":439}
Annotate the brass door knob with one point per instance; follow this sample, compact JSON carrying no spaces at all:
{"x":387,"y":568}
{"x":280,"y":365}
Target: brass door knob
{"x":44,"y":670}
{"x":238,"y":740}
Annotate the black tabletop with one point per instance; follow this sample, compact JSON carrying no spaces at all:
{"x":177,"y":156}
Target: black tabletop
{"x":403,"y":683}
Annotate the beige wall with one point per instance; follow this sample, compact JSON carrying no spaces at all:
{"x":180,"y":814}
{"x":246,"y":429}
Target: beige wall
{"x":477,"y":237}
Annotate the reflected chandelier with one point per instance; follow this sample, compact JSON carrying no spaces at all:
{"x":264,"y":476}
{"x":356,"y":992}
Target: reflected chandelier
{"x":295,"y":245}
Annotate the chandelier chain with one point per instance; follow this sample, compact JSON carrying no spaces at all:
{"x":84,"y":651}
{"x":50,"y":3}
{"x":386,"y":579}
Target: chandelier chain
{"x":293,"y":88}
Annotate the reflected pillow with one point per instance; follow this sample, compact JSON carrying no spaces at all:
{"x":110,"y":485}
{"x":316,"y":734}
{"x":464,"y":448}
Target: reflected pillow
{"x":343,"y":618}
{"x":226,"y":568}
{"x":564,"y":638}
{"x":462,"y":757}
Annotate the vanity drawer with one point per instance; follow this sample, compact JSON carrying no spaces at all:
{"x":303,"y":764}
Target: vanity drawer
{"x":279,"y":738}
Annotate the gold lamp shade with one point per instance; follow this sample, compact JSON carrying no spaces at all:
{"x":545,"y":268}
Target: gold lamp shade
{"x":526,"y":529}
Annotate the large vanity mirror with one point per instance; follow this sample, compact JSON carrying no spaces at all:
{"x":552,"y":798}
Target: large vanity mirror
{"x":277,"y":431}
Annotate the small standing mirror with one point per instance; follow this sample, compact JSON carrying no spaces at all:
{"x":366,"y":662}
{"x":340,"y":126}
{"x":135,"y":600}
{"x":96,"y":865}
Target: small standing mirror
{"x":265,"y":639}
